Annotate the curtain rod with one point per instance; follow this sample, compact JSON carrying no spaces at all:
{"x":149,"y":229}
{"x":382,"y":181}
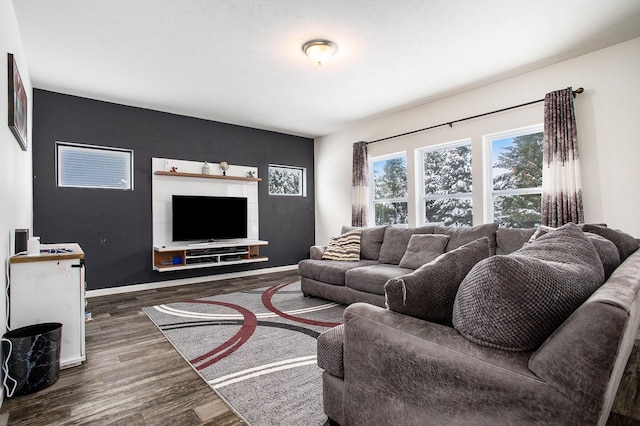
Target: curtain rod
{"x":450,"y":123}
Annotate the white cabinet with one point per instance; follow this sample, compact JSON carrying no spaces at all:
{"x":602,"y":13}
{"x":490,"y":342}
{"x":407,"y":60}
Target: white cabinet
{"x":50,"y":288}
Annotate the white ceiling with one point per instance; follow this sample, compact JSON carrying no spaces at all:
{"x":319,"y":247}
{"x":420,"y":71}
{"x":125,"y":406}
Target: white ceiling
{"x":240,"y":61}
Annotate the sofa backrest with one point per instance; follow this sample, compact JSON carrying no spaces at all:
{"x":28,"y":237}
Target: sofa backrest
{"x":585,"y":357}
{"x":503,"y":240}
{"x":396,"y":240}
{"x":391,"y":241}
{"x":459,"y":236}
{"x":370,"y":240}
{"x":509,"y":240}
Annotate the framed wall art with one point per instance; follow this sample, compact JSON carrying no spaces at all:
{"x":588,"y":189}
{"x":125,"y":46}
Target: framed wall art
{"x":17,"y":103}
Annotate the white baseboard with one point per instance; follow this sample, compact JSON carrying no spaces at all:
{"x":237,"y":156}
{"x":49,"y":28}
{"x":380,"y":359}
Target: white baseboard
{"x":184,"y":281}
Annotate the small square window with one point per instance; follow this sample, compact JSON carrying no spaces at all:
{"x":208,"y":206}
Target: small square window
{"x":88,"y":166}
{"x":287,"y":180}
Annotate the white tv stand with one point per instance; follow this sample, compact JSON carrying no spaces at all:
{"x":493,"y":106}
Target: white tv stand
{"x":176,"y":257}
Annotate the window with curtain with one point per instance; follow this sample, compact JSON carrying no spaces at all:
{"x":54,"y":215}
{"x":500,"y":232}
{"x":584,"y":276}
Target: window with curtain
{"x":515,"y":177}
{"x":389,"y":189}
{"x":447,"y":184}
{"x":90,"y":166}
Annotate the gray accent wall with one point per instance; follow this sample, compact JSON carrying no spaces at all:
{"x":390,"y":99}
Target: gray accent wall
{"x":114,"y":227}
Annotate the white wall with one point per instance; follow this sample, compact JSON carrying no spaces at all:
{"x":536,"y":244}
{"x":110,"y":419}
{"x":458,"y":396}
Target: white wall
{"x":16,"y":190}
{"x":606,"y":114}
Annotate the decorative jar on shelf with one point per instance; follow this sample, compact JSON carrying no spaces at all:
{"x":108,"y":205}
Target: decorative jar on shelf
{"x":205,"y":168}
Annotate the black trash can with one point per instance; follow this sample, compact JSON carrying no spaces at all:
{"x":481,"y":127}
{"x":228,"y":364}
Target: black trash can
{"x":32,"y":358}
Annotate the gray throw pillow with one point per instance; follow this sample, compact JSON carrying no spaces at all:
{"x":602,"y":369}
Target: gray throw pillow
{"x":396,"y":240}
{"x":346,"y":247}
{"x":428,"y":292}
{"x":459,"y":236}
{"x":607,"y":251}
{"x":515,"y":302}
{"x":423,"y":248}
{"x":625,"y":243}
{"x":370,"y":240}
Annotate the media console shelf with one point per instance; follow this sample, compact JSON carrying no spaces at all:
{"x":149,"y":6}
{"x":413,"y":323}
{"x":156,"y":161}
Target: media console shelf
{"x":180,"y":257}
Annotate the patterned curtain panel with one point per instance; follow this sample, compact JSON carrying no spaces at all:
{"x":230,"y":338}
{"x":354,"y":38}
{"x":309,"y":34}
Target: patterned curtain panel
{"x":561,"y":187}
{"x":360,"y":184}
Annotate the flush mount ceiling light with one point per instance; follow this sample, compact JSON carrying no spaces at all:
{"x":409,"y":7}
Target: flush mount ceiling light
{"x":319,"y":51}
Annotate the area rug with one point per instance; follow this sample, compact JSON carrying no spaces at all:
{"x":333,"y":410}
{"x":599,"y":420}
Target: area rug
{"x":256,"y":349}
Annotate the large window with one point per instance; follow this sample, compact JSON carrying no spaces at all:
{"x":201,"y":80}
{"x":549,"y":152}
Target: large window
{"x":287,"y":180}
{"x":446,"y":183}
{"x":89,"y":166}
{"x":389,"y":189}
{"x":515,"y":177}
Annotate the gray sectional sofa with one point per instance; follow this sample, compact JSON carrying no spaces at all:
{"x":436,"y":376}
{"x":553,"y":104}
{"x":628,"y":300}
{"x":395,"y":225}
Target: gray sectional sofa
{"x":381,"y":253}
{"x":537,"y":334}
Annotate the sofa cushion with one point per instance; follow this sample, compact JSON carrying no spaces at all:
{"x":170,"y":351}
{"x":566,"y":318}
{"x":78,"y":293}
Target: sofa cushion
{"x":330,"y":348}
{"x":396,"y":240}
{"x":423,"y":248}
{"x":371,"y":279}
{"x":544,"y":229}
{"x":329,"y":271}
{"x":515,"y":302}
{"x":607,"y":251}
{"x":463,"y":235}
{"x":428,"y":292}
{"x":370,"y":240}
{"x":625,"y":243}
{"x":509,"y":240}
{"x":605,"y":248}
{"x":345,"y":247}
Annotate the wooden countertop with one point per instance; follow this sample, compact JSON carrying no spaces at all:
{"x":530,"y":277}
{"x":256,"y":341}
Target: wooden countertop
{"x":51,"y":252}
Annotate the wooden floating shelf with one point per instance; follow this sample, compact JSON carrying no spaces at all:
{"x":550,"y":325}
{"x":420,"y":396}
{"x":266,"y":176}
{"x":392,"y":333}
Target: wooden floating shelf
{"x":200,"y":175}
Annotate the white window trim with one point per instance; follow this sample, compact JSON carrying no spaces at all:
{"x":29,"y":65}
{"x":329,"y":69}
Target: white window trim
{"x":303,"y":182}
{"x":420,"y":160}
{"x":371,"y":214}
{"x":94,"y":147}
{"x":487,"y":168}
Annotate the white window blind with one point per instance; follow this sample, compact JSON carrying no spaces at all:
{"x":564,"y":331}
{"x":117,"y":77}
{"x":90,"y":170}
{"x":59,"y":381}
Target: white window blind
{"x":89,"y":166}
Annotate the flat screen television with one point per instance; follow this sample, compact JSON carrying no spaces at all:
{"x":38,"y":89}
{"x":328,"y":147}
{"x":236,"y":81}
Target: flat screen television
{"x":204,"y":218}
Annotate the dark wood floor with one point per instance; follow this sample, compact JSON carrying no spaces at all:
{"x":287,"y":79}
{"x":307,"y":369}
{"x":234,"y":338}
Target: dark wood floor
{"x":133,"y":375}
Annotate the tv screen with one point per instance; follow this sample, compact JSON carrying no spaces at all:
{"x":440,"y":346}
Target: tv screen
{"x":202,"y":218}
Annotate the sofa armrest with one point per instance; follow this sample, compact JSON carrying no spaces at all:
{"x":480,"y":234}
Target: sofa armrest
{"x":585,"y":357}
{"x":330,"y":349}
{"x":578,"y":358}
{"x":402,"y":370}
{"x":316,"y":252}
